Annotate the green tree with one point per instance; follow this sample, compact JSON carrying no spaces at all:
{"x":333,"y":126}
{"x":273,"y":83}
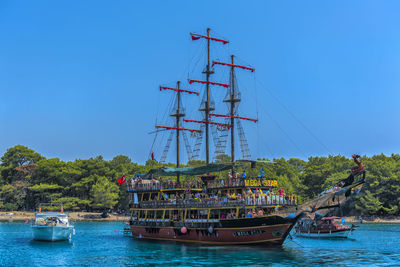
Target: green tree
{"x":20,"y":155}
{"x":43,"y":193}
{"x":14,"y":157}
{"x":104,"y":194}
{"x":14,"y":194}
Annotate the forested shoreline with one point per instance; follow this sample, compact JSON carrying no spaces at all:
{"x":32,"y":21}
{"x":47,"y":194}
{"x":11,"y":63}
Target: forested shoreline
{"x":28,"y":178}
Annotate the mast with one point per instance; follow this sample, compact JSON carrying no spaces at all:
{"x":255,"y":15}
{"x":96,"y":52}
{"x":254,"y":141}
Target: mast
{"x":208,"y":72}
{"x":178,"y":113}
{"x":232,"y":100}
{"x":207,"y":109}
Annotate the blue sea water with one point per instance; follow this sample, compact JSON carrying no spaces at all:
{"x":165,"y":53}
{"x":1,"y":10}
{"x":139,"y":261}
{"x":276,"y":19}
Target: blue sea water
{"x":103,"y":244}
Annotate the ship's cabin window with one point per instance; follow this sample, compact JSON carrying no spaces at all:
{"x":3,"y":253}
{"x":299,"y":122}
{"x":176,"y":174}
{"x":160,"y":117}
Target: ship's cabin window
{"x":175,"y":215}
{"x":135,"y":215}
{"x":203,"y":214}
{"x":159,"y":214}
{"x":167,"y":215}
{"x":150,"y":214}
{"x":195,"y":215}
{"x":214,"y":214}
{"x":142,"y":214}
{"x":242,"y":213}
{"x":227,"y":214}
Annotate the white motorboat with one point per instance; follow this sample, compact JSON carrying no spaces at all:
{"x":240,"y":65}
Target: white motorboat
{"x":52,"y":226}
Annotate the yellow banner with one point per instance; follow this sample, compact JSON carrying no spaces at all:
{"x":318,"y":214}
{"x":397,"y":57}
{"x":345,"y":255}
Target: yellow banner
{"x":254,"y":182}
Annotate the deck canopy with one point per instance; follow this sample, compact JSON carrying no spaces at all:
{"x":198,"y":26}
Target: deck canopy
{"x":168,"y":171}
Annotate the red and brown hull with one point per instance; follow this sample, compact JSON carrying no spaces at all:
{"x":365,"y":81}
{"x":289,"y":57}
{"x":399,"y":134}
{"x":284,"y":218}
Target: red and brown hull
{"x":274,"y":234}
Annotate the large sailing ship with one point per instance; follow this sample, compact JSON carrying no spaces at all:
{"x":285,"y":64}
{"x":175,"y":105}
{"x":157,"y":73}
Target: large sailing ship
{"x":238,"y":210}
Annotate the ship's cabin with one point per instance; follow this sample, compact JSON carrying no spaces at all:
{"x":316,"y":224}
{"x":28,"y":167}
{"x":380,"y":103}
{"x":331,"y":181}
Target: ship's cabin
{"x":162,"y":202}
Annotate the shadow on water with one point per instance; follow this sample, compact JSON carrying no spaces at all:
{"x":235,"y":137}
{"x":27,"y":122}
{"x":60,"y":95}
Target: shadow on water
{"x":51,"y":245}
{"x":169,"y":253}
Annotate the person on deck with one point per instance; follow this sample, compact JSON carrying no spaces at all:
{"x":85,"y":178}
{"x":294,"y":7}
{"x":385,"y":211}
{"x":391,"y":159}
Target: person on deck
{"x":254,"y":213}
{"x":243,"y":177}
{"x":249,"y":214}
{"x":354,"y":171}
{"x":235,"y":178}
{"x":229,"y":179}
{"x":281,"y":192}
{"x":260,"y":213}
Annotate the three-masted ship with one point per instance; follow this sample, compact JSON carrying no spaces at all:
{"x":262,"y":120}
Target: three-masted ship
{"x":238,"y":210}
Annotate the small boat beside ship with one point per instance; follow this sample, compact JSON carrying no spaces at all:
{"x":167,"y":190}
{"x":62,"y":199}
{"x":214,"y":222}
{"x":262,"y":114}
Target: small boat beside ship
{"x":327,"y":227}
{"x":52,"y":226}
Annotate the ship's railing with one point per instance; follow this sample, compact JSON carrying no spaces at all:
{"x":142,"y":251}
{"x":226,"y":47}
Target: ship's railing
{"x":223,"y":202}
{"x":157,"y":186}
{"x":272,"y":200}
{"x":143,"y":187}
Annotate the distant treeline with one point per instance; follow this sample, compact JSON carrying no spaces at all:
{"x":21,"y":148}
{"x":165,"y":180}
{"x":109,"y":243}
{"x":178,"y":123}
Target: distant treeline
{"x":27,"y":179}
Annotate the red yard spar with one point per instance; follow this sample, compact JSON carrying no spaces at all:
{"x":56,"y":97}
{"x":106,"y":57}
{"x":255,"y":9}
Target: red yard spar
{"x":178,"y":114}
{"x":210,"y":122}
{"x":232,"y":65}
{"x":178,"y":90}
{"x":179,"y":129}
{"x":208,"y":82}
{"x":196,"y":36}
{"x":233,"y":117}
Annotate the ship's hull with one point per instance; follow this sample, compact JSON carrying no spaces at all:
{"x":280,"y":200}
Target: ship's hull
{"x":251,"y":231}
{"x":52,"y":233}
{"x":333,"y":234}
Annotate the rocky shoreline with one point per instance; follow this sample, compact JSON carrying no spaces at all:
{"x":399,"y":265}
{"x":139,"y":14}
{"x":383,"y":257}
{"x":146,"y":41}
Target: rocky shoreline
{"x":74,"y":216}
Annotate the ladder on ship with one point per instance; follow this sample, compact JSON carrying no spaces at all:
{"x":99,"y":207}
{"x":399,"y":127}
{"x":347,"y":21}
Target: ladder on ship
{"x":187,"y":145}
{"x":166,"y":148}
{"x":199,"y":139}
{"x":244,"y":147}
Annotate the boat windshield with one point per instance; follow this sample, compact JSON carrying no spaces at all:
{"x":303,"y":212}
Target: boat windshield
{"x":51,"y":219}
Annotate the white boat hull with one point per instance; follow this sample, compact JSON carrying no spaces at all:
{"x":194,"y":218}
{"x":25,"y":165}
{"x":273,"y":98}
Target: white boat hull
{"x":52,"y":233}
{"x":339,"y":234}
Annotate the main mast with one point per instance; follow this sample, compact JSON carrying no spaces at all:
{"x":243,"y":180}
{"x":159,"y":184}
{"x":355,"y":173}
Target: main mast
{"x":208,"y":72}
{"x":232,"y":100}
{"x":207,"y":109}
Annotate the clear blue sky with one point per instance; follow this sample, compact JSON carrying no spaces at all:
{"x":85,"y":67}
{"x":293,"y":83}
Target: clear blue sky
{"x":80,"y":78}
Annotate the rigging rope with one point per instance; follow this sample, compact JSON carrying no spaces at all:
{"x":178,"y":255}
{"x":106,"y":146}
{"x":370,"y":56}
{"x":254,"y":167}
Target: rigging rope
{"x":286,"y":134}
{"x":282,"y":130}
{"x":295,"y":118}
{"x":258,"y":128}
